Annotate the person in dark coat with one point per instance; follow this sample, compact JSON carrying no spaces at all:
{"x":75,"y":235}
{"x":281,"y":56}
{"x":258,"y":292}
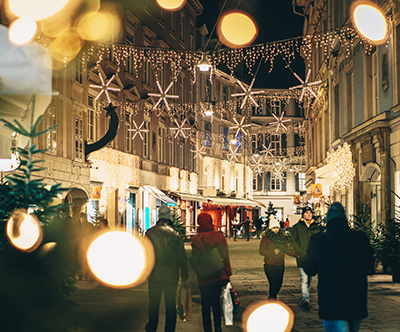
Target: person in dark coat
{"x":246,"y":228}
{"x":300,"y":236}
{"x":210,"y":288}
{"x":342,"y":259}
{"x":273,"y":246}
{"x":170,"y":257}
{"x":258,"y":224}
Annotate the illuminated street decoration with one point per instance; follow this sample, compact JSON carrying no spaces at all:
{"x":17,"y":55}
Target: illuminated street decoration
{"x":240,"y":126}
{"x":342,"y":158}
{"x":163,"y":95}
{"x":179,"y":128}
{"x":198,"y":152}
{"x":279,"y":122}
{"x":104,"y":88}
{"x":305,"y":85}
{"x":248,"y":93}
{"x":138,"y":130}
{"x":233,"y":154}
{"x":267,"y":151}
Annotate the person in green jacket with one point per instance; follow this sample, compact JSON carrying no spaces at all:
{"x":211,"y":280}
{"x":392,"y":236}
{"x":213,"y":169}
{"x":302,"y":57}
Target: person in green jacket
{"x":300,"y":236}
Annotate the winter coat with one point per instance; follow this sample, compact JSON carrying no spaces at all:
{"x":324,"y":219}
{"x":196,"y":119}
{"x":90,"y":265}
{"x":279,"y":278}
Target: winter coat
{"x":212,"y":240}
{"x":169,"y":251}
{"x":267,"y":249}
{"x":299,"y":238}
{"x":342,"y":259}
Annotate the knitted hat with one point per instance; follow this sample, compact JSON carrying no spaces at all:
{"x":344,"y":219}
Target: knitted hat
{"x":164,"y":212}
{"x":335,"y":211}
{"x":204,"y":218}
{"x":305,"y":209}
{"x":273,"y":222}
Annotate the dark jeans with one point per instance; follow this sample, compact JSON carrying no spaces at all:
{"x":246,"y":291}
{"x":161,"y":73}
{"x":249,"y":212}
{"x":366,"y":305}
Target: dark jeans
{"x":156,"y":288}
{"x":342,"y":325}
{"x":210,"y":295}
{"x":275,"y":278}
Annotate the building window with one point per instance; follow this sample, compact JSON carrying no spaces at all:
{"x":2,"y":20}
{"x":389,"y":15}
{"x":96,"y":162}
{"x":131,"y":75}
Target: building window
{"x":225,"y":145}
{"x":91,"y":120}
{"x":161,"y":15}
{"x":191,"y":92}
{"x":146,"y":140}
{"x":146,"y":71}
{"x":128,"y":134}
{"x":276,"y":143}
{"x":78,"y":71}
{"x":182,"y":87}
{"x":161,"y":145}
{"x":207,"y":133}
{"x":275,"y":183}
{"x":172,"y":23}
{"x":349,"y":101}
{"x":302,"y":181}
{"x":181,"y":153}
{"x":191,"y":157}
{"x":172,"y":151}
{"x":182,"y":26}
{"x":51,"y":136}
{"x":375,"y":84}
{"x":276,"y":107}
{"x":224,"y":92}
{"x":78,"y":138}
{"x":336,"y":112}
{"x":129,"y":60}
{"x":191,"y":36}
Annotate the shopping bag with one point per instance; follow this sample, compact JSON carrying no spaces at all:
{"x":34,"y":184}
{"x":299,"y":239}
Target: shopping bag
{"x":227,"y":304}
{"x":235,"y":300}
{"x":184,"y":302}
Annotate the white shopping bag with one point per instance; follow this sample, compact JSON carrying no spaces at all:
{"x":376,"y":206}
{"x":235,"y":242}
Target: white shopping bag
{"x":227,"y":304}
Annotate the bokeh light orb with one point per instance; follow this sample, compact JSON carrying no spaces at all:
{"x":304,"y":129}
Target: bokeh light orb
{"x":93,"y":26}
{"x":22,"y":30}
{"x":369,"y":21}
{"x":118,"y":259}
{"x":24,"y":231}
{"x":171,"y":5}
{"x":274,"y":314}
{"x":66,"y":46}
{"x":37,"y":9}
{"x":237,"y":29}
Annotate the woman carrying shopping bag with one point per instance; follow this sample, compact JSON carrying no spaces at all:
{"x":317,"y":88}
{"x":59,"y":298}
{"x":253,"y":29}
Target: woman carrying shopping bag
{"x":273,"y":247}
{"x":208,"y":238}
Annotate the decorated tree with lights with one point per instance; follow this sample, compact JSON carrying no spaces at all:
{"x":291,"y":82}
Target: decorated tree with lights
{"x":35,"y":285}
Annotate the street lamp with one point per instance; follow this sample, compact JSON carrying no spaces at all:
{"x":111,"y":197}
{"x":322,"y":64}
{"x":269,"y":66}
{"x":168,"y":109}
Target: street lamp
{"x":171,"y":5}
{"x":204,"y":64}
{"x":369,"y":21}
{"x":208,"y":111}
{"x":272,"y":313}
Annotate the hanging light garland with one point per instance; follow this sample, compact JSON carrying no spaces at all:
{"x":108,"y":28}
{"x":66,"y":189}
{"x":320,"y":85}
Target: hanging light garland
{"x":342,"y":159}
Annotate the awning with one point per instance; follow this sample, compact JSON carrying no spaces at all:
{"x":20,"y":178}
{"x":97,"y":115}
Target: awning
{"x":259,"y":203}
{"x":190,"y":197}
{"x":232,"y":201}
{"x":160,"y":195}
{"x":326,"y":175}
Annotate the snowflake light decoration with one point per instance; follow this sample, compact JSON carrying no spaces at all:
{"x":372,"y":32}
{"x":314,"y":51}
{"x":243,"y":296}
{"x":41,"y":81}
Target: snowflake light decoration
{"x":267,"y":151}
{"x":179,"y":129}
{"x":233,"y":154}
{"x":138,"y":130}
{"x":163,"y":95}
{"x":305,"y":85}
{"x":297,"y":169}
{"x":279,"y":121}
{"x":280,"y":165}
{"x":198,"y":152}
{"x":247,"y":93}
{"x":104,"y":88}
{"x":258,"y":169}
{"x":240,"y":126}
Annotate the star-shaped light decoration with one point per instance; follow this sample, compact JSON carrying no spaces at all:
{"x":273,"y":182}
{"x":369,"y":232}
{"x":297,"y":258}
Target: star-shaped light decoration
{"x":267,"y":150}
{"x":259,"y":170}
{"x":163,"y":95}
{"x":138,"y":130}
{"x":233,"y":154}
{"x":198,"y":152}
{"x":240,"y":126}
{"x":104,"y":88}
{"x":297,"y":169}
{"x":305,"y":85}
{"x":280,"y":165}
{"x":279,"y":176}
{"x":179,"y":128}
{"x":279,"y":121}
{"x":247,"y":93}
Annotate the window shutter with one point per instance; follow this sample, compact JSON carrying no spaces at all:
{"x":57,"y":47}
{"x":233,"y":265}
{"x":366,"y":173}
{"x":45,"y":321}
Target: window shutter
{"x":283,"y":139}
{"x":259,"y":182}
{"x":296,"y":182}
{"x":284,"y":182}
{"x":268,"y":181}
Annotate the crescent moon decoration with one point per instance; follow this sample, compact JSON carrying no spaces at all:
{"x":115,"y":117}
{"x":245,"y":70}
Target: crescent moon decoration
{"x":109,"y":135}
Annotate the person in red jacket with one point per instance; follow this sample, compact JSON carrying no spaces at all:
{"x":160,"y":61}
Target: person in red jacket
{"x":273,"y":247}
{"x":210,"y":288}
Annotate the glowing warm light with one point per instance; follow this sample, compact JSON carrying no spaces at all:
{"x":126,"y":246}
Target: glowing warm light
{"x":24,"y":231}
{"x":93,"y":26}
{"x":66,"y":46}
{"x":56,"y":28}
{"x":342,"y":158}
{"x":237,"y":29}
{"x":274,"y":314}
{"x":171,"y":5}
{"x":119,"y":259}
{"x":369,"y":21}
{"x":22,"y":30}
{"x":38,"y":9}
{"x":204,"y":64}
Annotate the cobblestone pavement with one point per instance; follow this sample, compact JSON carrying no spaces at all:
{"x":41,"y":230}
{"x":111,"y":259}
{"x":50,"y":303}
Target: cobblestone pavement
{"x":126,"y":310}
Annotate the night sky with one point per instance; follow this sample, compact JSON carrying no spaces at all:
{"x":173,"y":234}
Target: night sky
{"x":276,"y":21}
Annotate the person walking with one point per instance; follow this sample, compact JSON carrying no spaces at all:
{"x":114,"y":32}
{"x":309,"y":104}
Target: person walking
{"x":258,"y":224}
{"x":235,"y":228}
{"x":342,"y":259}
{"x":300,"y":236}
{"x":170,"y":258}
{"x":273,"y":246}
{"x":246,"y":228}
{"x":210,"y":288}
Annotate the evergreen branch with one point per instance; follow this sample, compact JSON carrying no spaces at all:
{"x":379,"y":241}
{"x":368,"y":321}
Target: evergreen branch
{"x":20,"y":130}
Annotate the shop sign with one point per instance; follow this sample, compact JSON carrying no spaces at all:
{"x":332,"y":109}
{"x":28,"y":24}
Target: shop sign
{"x":316,"y":189}
{"x":96,"y":192}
